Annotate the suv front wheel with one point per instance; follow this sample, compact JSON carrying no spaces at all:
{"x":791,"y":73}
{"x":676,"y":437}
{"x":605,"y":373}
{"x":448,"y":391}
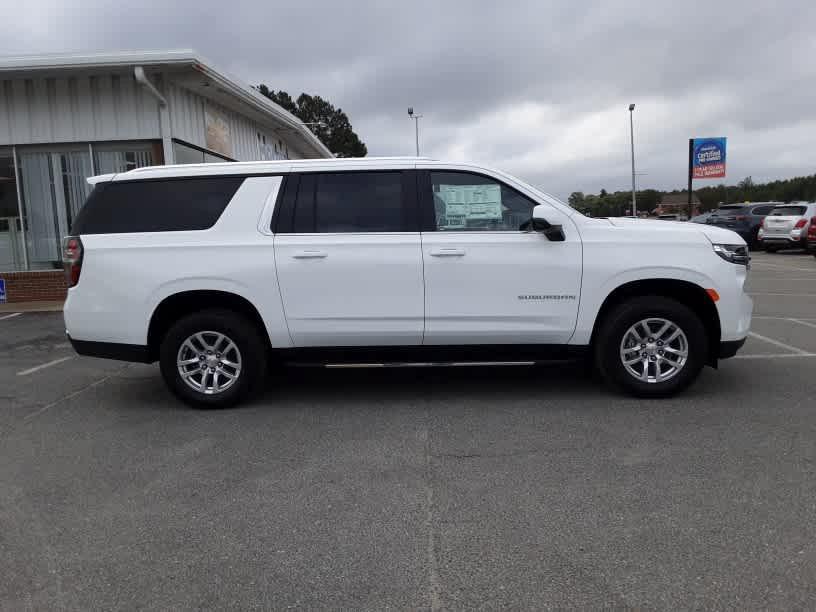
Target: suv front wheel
{"x":212,"y":358}
{"x":651,"y":346}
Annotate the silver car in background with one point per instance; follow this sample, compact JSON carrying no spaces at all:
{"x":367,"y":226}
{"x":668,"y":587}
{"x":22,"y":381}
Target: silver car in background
{"x":787,"y":225}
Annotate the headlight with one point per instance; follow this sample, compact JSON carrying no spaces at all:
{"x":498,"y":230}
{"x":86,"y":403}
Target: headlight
{"x":733,"y":253}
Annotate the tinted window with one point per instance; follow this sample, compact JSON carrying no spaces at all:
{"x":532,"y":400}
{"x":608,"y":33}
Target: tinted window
{"x":155,"y":206}
{"x":470,"y":202}
{"x":345,"y":202}
{"x":762,"y":210}
{"x":789,"y":211}
{"x":729,"y":208}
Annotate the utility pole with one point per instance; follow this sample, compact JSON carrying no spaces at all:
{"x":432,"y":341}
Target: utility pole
{"x":416,"y":119}
{"x":690,"y":174}
{"x":632,"y":140}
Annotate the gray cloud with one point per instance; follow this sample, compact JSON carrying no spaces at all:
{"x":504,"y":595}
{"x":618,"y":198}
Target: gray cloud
{"x":538,"y":89}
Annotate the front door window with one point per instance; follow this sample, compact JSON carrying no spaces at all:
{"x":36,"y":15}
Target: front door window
{"x":469,"y":202}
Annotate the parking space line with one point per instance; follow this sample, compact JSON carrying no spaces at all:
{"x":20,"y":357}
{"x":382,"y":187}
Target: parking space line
{"x":42,"y":366}
{"x":801,"y":322}
{"x":775,"y":318}
{"x":760,"y":263}
{"x":776,"y":356}
{"x":785,"y":294}
{"x":776,"y":278}
{"x":788,"y":347}
{"x":10,"y":316}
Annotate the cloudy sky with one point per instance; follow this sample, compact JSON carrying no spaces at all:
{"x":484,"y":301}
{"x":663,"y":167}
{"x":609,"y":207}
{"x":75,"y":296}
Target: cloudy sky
{"x":539,"y":89}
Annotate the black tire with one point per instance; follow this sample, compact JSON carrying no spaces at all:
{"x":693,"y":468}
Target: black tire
{"x":243,"y":333}
{"x":615,"y":325}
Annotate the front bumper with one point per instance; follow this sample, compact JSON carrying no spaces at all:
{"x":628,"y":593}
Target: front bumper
{"x":729,"y":348}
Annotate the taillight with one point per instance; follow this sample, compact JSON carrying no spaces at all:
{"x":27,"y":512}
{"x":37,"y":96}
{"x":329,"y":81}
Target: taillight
{"x":72,"y":259}
{"x":740,"y":218}
{"x":800,"y":224}
{"x":812,"y":228}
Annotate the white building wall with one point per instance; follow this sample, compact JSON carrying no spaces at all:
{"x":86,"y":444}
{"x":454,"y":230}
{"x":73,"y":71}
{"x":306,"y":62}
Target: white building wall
{"x":76,"y":109}
{"x":188,"y":122}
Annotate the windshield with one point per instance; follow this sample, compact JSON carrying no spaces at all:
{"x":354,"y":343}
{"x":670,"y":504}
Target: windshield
{"x":788,"y":211}
{"x":728,"y":208}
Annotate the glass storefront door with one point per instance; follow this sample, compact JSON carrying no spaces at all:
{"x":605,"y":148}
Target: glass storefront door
{"x":11,"y":241}
{"x":54,"y":187}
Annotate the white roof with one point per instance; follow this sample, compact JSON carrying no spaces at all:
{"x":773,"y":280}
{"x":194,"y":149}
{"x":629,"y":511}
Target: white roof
{"x":264,"y":167}
{"x":56,"y":63}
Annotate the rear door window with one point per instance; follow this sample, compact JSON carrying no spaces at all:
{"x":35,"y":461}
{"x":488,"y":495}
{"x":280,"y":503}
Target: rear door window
{"x":155,"y":205}
{"x":789,"y":211}
{"x":353,"y":202}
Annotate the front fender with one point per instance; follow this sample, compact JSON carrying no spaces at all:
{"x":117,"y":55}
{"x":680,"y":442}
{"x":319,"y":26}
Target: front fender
{"x":594,"y":294}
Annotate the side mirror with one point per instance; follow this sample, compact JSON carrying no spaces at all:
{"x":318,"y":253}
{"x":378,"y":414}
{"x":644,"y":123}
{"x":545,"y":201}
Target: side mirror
{"x":538,"y":223}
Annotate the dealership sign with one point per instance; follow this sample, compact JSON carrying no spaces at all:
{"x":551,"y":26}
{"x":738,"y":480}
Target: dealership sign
{"x":708,"y":158}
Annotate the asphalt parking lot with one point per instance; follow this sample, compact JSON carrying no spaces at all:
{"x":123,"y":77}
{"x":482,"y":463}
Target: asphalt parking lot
{"x":456,"y":488}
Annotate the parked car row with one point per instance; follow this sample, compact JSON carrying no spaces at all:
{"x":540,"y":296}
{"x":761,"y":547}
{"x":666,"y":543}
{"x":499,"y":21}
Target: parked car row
{"x":744,"y":219}
{"x":768,"y":225}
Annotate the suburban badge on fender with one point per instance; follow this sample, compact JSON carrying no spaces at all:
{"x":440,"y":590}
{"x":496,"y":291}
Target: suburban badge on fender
{"x":557,"y":297}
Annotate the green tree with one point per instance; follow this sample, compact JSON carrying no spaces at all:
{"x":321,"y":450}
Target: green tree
{"x":576,"y":200}
{"x":331,"y":125}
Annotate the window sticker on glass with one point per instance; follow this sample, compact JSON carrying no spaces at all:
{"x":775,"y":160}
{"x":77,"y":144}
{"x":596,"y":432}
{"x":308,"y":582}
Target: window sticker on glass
{"x":466,"y":204}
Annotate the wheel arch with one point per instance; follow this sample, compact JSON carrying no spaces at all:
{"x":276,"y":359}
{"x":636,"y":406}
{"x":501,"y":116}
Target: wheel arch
{"x":183,"y":303}
{"x":687,"y":293}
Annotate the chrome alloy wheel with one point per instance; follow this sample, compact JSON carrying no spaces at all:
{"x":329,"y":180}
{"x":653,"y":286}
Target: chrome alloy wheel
{"x":654,"y":350}
{"x":209,"y":362}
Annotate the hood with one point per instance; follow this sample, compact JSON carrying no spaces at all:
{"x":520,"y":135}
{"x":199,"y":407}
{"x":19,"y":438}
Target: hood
{"x":716,"y":235}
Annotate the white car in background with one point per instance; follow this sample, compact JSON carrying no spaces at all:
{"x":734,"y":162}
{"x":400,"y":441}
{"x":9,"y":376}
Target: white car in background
{"x":217,"y":270}
{"x":786,"y":226}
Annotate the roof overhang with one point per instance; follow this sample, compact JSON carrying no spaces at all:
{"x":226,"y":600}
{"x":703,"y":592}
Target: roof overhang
{"x":186,"y":67}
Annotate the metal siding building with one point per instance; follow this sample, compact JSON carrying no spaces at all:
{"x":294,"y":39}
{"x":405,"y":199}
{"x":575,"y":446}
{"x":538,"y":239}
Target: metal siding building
{"x":64,"y":118}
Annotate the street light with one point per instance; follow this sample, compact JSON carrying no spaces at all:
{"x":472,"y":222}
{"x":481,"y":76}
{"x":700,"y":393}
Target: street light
{"x":416,"y":119}
{"x":632,"y":139}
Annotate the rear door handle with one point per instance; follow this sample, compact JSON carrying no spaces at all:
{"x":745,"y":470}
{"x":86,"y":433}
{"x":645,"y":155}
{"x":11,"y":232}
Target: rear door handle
{"x":310,"y":255}
{"x":448,"y":253}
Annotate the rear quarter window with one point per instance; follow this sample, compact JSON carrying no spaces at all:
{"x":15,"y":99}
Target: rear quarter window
{"x":155,"y":205}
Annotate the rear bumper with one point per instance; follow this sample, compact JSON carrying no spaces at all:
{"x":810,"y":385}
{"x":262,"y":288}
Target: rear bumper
{"x":729,"y":348}
{"x":112,"y":350}
{"x":781,"y":241}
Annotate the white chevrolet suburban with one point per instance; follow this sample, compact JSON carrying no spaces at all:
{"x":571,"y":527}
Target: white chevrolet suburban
{"x":218,"y":270}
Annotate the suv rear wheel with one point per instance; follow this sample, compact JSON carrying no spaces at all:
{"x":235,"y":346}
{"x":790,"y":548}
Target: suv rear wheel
{"x":651,"y":346}
{"x":212,"y":358}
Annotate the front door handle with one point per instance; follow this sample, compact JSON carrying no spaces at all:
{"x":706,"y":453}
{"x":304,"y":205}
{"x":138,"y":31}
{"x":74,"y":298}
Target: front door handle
{"x":310,"y":255}
{"x":448,"y":253}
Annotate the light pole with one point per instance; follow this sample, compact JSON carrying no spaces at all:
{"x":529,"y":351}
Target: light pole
{"x":632,"y":140}
{"x":416,"y":119}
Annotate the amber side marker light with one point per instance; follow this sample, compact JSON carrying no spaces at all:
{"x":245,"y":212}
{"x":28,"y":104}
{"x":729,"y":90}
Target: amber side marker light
{"x":712,"y":293}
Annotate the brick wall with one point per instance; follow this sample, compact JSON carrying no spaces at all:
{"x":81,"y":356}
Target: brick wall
{"x":48,"y":285}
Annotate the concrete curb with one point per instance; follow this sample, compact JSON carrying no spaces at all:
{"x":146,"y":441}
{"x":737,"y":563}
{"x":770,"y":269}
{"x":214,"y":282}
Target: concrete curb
{"x":32,"y":307}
